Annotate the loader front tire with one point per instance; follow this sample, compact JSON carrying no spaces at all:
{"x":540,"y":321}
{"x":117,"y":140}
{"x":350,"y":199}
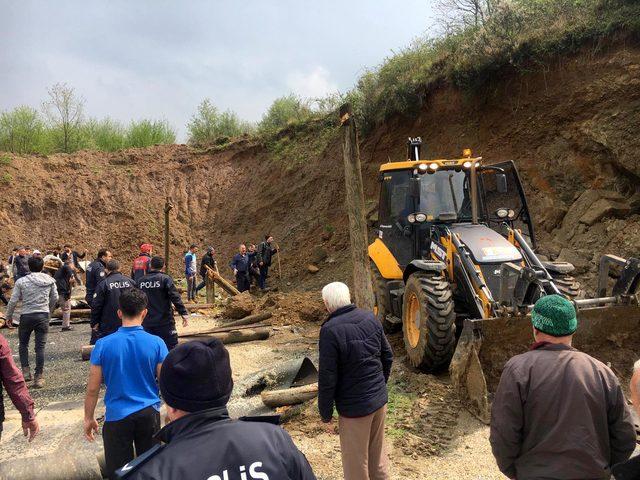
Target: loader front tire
{"x":382,"y":306}
{"x":428,"y":322}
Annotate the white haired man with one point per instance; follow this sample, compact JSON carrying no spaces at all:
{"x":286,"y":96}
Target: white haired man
{"x":355,"y":363}
{"x":630,"y":469}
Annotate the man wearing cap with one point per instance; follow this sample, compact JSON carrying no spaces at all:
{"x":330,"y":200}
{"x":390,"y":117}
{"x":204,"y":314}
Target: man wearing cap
{"x":96,"y":273}
{"x":141,"y":262}
{"x":162,"y":294}
{"x":104,"y":307}
{"x":201,"y":441}
{"x":559,"y":413}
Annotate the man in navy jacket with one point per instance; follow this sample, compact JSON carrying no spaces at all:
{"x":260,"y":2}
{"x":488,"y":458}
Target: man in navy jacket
{"x":355,"y":364}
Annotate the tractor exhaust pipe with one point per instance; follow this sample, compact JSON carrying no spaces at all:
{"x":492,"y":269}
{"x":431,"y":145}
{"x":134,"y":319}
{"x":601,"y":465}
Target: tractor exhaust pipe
{"x":474,"y":193}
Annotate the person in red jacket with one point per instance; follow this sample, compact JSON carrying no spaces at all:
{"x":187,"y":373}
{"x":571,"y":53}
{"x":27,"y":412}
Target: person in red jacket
{"x":141,"y":263}
{"x":13,"y":382}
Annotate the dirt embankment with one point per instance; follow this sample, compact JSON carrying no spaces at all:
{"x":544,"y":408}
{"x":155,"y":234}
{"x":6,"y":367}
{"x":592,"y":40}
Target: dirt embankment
{"x":570,"y":124}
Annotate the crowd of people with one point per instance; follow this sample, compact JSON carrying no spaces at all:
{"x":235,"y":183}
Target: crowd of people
{"x":557,"y":412}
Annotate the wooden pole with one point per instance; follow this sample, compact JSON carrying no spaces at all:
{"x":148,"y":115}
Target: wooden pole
{"x":363,"y":291}
{"x":279,"y":266}
{"x":167,"y":208}
{"x":289,"y":396}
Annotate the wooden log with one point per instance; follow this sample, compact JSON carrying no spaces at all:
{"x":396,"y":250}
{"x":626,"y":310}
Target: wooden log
{"x":75,"y":313}
{"x":85,"y":352}
{"x":224,"y":284}
{"x":363,"y":290}
{"x":255,"y":318}
{"x":210,"y":289}
{"x":198,"y":306}
{"x":289,"y":396}
{"x":233,"y":336}
{"x":205,"y":333}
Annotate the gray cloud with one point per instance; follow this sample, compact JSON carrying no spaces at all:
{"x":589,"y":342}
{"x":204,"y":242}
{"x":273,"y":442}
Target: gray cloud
{"x":160,"y":58}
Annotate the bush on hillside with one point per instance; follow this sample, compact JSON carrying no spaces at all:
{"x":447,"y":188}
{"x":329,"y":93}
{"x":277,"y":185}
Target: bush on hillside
{"x":145,"y":133}
{"x":283,"y":112}
{"x":208,"y":125}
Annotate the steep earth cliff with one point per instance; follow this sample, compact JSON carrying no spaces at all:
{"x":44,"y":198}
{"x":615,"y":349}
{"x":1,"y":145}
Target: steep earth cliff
{"x":571,"y":124}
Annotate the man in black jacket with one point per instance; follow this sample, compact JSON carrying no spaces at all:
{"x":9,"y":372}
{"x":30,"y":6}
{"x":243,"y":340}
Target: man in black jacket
{"x":355,"y":364}
{"x":264,"y":255}
{"x":20,"y":264}
{"x":64,"y":281}
{"x":162,"y":293}
{"x":69,"y":253}
{"x":208,"y":260}
{"x":201,"y":441}
{"x":96,"y":273}
{"x":104,"y":309}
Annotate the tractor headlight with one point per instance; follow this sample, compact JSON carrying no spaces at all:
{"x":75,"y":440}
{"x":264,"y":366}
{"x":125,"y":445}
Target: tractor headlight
{"x":467,"y":164}
{"x":477,"y":164}
{"x":433,"y":166}
{"x":422,"y":168}
{"x":512,"y":214}
{"x":502,"y":213}
{"x":421,"y":217}
{"x":411,"y":218}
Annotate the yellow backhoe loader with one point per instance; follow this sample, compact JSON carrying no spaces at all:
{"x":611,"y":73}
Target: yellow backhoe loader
{"x":454,"y":266}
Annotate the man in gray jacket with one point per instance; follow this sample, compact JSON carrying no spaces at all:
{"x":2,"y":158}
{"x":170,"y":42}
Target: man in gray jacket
{"x":559,"y":413}
{"x":39,"y":296}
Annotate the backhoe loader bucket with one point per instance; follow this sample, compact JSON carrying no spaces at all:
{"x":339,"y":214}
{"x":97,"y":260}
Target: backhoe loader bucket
{"x":609,"y":333}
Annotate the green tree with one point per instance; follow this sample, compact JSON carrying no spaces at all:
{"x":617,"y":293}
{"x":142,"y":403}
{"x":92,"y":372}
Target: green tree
{"x":208,"y":124}
{"x":21,"y":130}
{"x":64,"y":110}
{"x":282,"y":112}
{"x":145,"y":133}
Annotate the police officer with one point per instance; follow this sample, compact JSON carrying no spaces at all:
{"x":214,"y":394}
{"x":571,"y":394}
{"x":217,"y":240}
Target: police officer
{"x":201,"y":441}
{"x":96,"y":273}
{"x":141,"y":262}
{"x":104,"y":308}
{"x":161,"y":293}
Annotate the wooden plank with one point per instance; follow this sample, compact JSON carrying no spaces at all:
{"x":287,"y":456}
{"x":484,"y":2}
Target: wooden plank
{"x":289,"y":396}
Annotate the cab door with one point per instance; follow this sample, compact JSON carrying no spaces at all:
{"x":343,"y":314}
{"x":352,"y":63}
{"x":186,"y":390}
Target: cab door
{"x":513,"y":198}
{"x":396,"y":203}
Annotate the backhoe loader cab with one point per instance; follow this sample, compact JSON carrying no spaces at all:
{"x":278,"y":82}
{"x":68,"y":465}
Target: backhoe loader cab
{"x":454,"y":266}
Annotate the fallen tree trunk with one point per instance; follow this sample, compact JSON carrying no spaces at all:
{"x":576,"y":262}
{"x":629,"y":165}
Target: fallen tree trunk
{"x":255,"y":318}
{"x":221,"y":329}
{"x":224,"y":284}
{"x":75,"y":313}
{"x":289,"y":396}
{"x":233,"y":336}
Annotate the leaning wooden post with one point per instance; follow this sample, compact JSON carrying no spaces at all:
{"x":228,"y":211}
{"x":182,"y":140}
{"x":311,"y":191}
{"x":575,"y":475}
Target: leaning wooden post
{"x":363,"y":291}
{"x":210,"y":289}
{"x":167,"y":208}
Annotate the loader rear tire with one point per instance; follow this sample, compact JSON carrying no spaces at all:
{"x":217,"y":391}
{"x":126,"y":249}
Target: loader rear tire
{"x":382,"y":306}
{"x":568,"y":286}
{"x":428,"y":322}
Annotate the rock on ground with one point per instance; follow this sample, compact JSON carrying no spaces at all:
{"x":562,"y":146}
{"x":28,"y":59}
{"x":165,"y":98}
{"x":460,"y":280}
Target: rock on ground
{"x":240,"y":306}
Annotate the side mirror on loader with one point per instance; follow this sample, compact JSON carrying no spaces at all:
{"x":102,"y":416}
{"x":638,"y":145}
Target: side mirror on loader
{"x":501,"y":183}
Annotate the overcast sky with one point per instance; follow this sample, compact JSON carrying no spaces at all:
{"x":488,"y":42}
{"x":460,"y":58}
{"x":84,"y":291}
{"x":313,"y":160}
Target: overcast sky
{"x":158,"y":59}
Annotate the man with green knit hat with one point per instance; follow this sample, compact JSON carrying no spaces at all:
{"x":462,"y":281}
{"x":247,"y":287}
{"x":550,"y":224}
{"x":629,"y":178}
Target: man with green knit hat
{"x":559,"y":413}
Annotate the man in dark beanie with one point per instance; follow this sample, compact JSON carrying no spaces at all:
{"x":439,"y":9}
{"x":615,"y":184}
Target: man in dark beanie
{"x":201,"y":441}
{"x":559,"y":413}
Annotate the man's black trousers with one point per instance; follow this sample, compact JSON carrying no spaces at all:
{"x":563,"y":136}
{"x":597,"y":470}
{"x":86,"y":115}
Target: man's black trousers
{"x":167,"y":333}
{"x":242,"y":281}
{"x":121,"y":436}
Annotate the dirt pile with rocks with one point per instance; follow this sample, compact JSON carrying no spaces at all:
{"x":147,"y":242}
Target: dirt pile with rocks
{"x":569,"y":123}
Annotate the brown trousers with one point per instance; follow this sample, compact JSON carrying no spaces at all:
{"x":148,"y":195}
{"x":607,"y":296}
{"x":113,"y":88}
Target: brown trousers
{"x":364,"y":455}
